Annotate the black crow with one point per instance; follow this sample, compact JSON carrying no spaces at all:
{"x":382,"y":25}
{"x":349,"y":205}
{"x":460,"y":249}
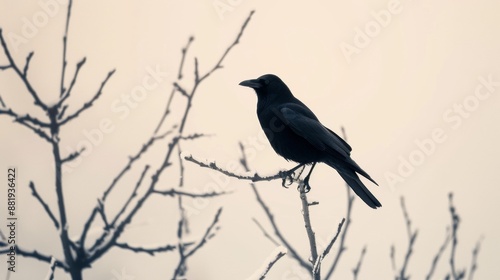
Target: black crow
{"x":296,"y":134}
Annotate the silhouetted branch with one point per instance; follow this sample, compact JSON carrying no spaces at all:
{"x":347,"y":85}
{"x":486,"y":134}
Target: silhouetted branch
{"x":44,"y":204}
{"x":330,"y":245}
{"x":4,"y":248}
{"x":22,"y":76}
{"x":173,"y":192}
{"x":439,"y":254}
{"x":274,"y":257}
{"x":266,"y":234}
{"x":180,"y":89}
{"x":254,"y":178}
{"x":209,"y":233}
{"x":65,"y":45}
{"x":219,"y":63}
{"x":310,"y":233}
{"x":88,"y":104}
{"x":27,"y":64}
{"x":52,"y":267}
{"x":72,"y":156}
{"x":455,"y":222}
{"x":270,"y":217}
{"x":355,"y":271}
{"x":132,"y":195}
{"x":184,"y":51}
{"x":473,"y":265}
{"x":66,"y":94}
{"x":150,"y":251}
{"x":412,"y":236}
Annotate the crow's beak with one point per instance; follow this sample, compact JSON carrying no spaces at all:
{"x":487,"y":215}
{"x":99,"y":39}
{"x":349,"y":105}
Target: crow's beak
{"x":254,"y":83}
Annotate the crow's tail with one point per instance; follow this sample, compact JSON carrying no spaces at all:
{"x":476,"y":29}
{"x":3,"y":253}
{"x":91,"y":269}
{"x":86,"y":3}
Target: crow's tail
{"x":357,"y":186}
{"x":347,"y":170}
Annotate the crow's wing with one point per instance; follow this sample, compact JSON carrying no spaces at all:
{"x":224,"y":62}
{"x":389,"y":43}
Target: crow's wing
{"x":305,"y":124}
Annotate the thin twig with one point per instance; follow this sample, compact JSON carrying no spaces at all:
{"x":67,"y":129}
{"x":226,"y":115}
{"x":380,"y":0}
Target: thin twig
{"x":52,"y":267}
{"x":310,"y":233}
{"x":150,"y":251}
{"x":270,"y":217}
{"x":209,"y":233}
{"x":412,"y":236}
{"x":266,"y":234}
{"x":355,"y":271}
{"x":88,"y":104}
{"x":184,"y":52}
{"x":32,"y":254}
{"x":67,"y":93}
{"x":13,"y":65}
{"x":473,"y":265}
{"x":176,"y":192}
{"x":254,"y":178}
{"x":44,"y":204}
{"x":132,"y":195}
{"x":65,"y":44}
{"x":330,"y":245}
{"x":273,"y":258}
{"x":455,"y":222}
{"x":439,"y":254}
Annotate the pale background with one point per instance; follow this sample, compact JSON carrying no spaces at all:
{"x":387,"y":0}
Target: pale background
{"x":393,"y":92}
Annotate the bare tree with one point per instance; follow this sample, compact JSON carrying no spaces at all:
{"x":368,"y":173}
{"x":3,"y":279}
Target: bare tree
{"x":81,"y":253}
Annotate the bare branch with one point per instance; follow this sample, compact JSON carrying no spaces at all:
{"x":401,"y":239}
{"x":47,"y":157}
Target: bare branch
{"x":330,"y":245}
{"x":150,"y":251}
{"x":355,"y":271}
{"x":132,"y":160}
{"x":13,"y":65}
{"x":4,"y":248}
{"x":1,"y":101}
{"x":65,"y":45}
{"x":208,"y":234}
{"x":89,"y":103}
{"x":66,"y":94}
{"x":310,"y":233}
{"x":184,"y":51}
{"x":267,"y":235}
{"x":412,"y":236}
{"x":270,"y":217}
{"x":52,"y":267}
{"x":27,"y":65}
{"x":255,"y":178}
{"x":44,"y":204}
{"x":455,"y":222}
{"x":173,"y":192}
{"x":473,"y":265}
{"x":273,"y":258}
{"x":439,"y":254}
{"x":180,"y":89}
{"x":342,"y":247}
{"x":236,"y":41}
{"x":72,"y":156}
{"x":132,"y":195}
{"x":181,"y":267}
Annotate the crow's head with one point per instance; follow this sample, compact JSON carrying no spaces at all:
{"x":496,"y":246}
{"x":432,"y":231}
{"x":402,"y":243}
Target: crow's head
{"x":268,"y":86}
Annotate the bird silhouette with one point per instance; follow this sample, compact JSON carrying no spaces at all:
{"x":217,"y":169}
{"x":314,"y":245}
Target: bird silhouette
{"x":296,"y":134}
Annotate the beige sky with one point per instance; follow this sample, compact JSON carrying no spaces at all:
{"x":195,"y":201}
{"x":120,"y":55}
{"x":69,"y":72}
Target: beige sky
{"x":415,"y":83}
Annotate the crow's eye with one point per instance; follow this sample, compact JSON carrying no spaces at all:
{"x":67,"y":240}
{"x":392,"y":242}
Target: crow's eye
{"x":264,"y":82}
